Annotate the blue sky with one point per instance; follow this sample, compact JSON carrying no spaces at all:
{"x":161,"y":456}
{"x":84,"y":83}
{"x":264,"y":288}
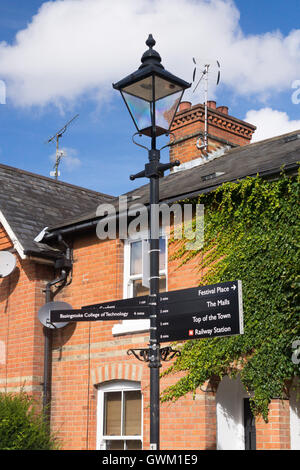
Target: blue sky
{"x":61,"y":59}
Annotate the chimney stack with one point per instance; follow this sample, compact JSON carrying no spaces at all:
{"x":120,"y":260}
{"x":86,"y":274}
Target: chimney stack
{"x":223,"y":130}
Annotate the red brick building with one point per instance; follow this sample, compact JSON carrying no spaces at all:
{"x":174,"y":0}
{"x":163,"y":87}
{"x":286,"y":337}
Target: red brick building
{"x":98,"y":393}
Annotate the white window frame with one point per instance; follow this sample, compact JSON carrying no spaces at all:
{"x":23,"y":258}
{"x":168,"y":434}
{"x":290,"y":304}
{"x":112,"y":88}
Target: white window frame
{"x":115,"y":386}
{"x":135,"y":326}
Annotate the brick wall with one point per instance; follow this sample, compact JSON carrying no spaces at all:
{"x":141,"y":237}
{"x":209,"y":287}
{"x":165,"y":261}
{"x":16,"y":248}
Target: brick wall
{"x":276,"y":433}
{"x":21,"y":335}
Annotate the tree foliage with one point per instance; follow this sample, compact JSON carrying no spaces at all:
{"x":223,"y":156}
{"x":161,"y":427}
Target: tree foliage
{"x":252,"y":235}
{"x":22,"y":426}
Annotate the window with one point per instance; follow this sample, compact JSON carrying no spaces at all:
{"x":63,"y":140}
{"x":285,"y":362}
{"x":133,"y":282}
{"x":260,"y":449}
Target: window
{"x":120,"y":416}
{"x":137,"y":261}
{"x":138,"y":252}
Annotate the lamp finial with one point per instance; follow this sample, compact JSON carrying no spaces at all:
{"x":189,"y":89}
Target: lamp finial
{"x":150,"y":41}
{"x":151,"y":56}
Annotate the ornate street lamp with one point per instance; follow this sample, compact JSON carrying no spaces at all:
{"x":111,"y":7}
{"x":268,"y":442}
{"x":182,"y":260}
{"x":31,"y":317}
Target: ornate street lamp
{"x":152,"y":96}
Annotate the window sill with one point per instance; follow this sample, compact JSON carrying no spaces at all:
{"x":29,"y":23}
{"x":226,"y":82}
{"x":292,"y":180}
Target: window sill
{"x":131,"y":326}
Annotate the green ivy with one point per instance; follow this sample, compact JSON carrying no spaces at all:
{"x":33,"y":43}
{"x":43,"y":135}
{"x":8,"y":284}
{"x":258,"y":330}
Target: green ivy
{"x":251,"y":234}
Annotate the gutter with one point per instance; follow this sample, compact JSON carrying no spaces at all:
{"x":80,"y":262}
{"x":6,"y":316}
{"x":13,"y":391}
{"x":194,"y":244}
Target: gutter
{"x":51,"y":236}
{"x":79,"y":227}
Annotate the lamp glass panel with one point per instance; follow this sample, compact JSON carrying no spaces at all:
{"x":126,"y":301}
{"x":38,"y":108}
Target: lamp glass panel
{"x":141,"y":89}
{"x":140,"y":111}
{"x":164,"y":88}
{"x":165,"y":110}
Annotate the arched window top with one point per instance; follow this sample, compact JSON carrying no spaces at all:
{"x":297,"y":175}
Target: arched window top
{"x":119,"y":385}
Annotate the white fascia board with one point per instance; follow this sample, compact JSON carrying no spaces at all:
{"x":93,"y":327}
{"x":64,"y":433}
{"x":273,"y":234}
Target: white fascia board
{"x":17,"y":245}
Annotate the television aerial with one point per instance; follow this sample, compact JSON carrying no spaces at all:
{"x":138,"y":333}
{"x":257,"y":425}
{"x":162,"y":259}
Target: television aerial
{"x":8,"y":263}
{"x":212,"y":70}
{"x":59,"y":153}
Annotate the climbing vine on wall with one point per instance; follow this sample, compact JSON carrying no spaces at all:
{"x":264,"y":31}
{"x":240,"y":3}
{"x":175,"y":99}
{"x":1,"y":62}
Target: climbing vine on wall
{"x":251,"y":234}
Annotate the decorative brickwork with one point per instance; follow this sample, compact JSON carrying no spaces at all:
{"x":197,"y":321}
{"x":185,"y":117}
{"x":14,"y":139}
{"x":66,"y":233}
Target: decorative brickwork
{"x":188,"y":127}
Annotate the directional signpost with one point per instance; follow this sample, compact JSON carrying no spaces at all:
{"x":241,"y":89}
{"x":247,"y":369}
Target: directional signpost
{"x":199,"y":312}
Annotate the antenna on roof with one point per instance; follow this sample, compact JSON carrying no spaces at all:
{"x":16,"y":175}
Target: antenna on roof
{"x":207,"y":69}
{"x":59,"y":153}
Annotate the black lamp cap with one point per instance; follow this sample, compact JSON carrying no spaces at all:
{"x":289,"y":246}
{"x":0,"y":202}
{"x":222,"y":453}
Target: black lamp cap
{"x":151,"y":56}
{"x":151,"y":66}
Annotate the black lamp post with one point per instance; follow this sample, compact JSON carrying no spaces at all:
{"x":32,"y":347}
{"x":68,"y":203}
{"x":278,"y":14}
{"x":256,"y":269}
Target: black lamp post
{"x":152,"y":96}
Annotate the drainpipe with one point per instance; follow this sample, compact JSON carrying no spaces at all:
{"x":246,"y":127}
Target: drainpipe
{"x":65,"y":264}
{"x":48,"y":337}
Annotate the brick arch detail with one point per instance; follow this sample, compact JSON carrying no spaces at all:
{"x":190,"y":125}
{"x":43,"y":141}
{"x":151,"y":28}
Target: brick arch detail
{"x":116,"y":371}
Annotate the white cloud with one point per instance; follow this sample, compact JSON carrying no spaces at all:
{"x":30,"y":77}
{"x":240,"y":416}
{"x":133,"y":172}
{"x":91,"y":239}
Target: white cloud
{"x":270,"y":123}
{"x":73,"y":48}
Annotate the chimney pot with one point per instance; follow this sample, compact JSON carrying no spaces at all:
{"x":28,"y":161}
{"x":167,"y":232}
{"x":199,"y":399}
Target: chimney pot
{"x":184,"y":105}
{"x":212,"y":104}
{"x":223,"y":109}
